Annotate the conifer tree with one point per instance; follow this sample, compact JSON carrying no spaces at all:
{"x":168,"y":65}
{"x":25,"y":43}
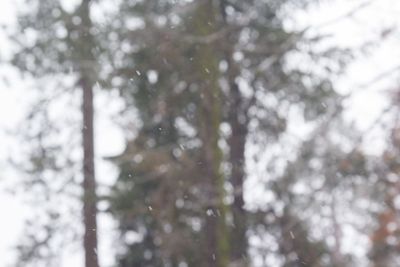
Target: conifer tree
{"x":173,"y":63}
{"x":57,"y":45}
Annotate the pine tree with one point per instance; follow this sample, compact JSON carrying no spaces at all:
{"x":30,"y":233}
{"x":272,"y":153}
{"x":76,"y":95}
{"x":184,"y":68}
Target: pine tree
{"x":173,"y":63}
{"x":59,"y":45}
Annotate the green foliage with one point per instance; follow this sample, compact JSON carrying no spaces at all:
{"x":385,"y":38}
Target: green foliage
{"x":198,"y":58}
{"x":199,"y":72}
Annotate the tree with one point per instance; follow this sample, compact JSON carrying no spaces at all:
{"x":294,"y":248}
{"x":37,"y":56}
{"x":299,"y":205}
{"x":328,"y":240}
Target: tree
{"x":206,"y":75}
{"x":218,"y":87}
{"x":87,"y":82}
{"x":198,"y":87}
{"x":57,"y":45}
{"x":383,"y":237}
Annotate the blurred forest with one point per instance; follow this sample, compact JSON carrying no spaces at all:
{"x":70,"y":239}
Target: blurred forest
{"x":237,"y":152}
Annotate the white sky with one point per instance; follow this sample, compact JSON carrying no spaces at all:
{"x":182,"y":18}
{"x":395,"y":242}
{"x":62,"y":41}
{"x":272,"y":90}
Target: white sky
{"x":365,"y":106}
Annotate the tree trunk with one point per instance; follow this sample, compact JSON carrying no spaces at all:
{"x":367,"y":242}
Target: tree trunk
{"x":87,"y":73}
{"x":89,"y":182}
{"x":237,"y":119}
{"x":237,"y":144}
{"x":216,"y":246}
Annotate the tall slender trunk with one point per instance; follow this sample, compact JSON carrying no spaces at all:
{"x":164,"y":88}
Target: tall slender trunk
{"x":89,"y":182}
{"x":337,"y":258}
{"x":87,"y":73}
{"x":237,"y":119}
{"x":237,"y":144}
{"x":210,"y":116}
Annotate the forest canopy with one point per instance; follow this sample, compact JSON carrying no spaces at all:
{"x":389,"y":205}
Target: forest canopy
{"x":237,"y":147}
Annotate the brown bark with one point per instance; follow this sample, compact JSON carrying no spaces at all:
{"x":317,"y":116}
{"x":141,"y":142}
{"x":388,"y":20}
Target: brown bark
{"x":216,"y":243}
{"x":238,"y":121}
{"x":237,"y":159}
{"x":89,"y":181}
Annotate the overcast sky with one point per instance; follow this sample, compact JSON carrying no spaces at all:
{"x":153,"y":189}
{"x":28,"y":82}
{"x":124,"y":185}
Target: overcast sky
{"x":365,"y":106}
